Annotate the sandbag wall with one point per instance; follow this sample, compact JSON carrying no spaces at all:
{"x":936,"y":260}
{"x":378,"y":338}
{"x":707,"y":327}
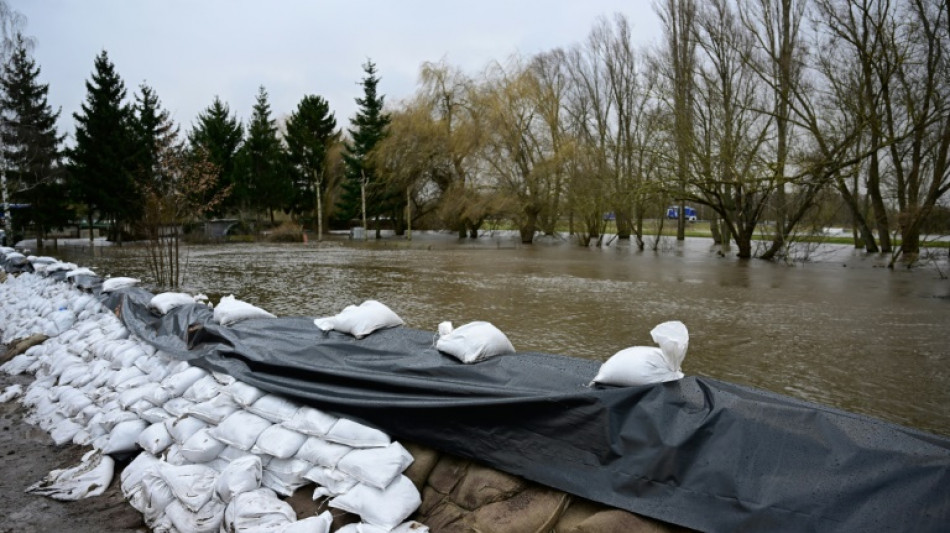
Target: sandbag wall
{"x":212,"y":453}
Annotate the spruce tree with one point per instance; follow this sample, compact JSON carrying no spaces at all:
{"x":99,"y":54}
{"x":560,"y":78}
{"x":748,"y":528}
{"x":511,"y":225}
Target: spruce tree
{"x":311,"y":131}
{"x":219,"y":135}
{"x":103,"y":156}
{"x":265,"y":186}
{"x":368,"y":127}
{"x":31,"y":146}
{"x":155,"y":134}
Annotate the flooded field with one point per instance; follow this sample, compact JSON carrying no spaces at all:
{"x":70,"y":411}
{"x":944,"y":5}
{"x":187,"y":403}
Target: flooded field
{"x":838,"y":330}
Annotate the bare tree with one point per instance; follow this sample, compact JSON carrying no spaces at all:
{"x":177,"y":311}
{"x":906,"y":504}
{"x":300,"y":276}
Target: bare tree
{"x":731,"y":132}
{"x":900,"y":88}
{"x":776,"y":27}
{"x":679,"y":26}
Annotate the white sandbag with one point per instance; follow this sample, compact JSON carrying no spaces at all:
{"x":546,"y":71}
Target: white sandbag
{"x":166,"y":301}
{"x":312,"y":524}
{"x":18,"y":365}
{"x":133,"y":395}
{"x":218,"y":464}
{"x":155,"y":438}
{"x":173,"y":455}
{"x":127,"y":357}
{"x":274,"y":408}
{"x":310,"y":421}
{"x":376,"y":467}
{"x":241,"y":475}
{"x":176,"y":384}
{"x":79,"y":272}
{"x":240,"y":429}
{"x":257,"y":511}
{"x":123,"y":375}
{"x":207,"y":519}
{"x":182,"y":428}
{"x":178,"y":407}
{"x":156,"y":494}
{"x":88,"y":435}
{"x":132,"y":382}
{"x":64,"y":431}
{"x":284,"y":476}
{"x":673,"y":339}
{"x":114,"y":284}
{"x":203,"y":390}
{"x":361,"y":320}
{"x":331,"y":481}
{"x":244,"y":394}
{"x":386,"y":508}
{"x":356,"y":435}
{"x":63,"y":320}
{"x":11,"y":393}
{"x":124,"y":436}
{"x":279,"y":442}
{"x":214,"y":410}
{"x":230,"y":310}
{"x":78,"y":375}
{"x":639,"y":365}
{"x":223,"y":379}
{"x":113,"y":415}
{"x":406,"y":527}
{"x":473,"y":342}
{"x":155,"y":414}
{"x":131,"y":478}
{"x":202,"y":447}
{"x":159,"y":396}
{"x":140,"y":407}
{"x":192,"y":485}
{"x":91,"y":477}
{"x":230,"y":453}
{"x":322,"y":453}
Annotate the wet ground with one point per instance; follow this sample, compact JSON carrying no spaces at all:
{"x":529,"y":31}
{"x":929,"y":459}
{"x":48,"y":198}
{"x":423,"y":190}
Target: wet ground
{"x":27,"y":454}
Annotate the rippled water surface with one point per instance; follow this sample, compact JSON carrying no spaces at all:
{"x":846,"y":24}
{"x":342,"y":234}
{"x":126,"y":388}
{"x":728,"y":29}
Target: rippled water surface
{"x":839,"y":330}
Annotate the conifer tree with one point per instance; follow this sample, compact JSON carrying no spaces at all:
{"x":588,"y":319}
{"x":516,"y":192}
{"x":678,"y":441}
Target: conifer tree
{"x":265,"y":185}
{"x":368,"y":127}
{"x":31,"y":146}
{"x":311,"y":131}
{"x":155,"y":134}
{"x":103,"y":156}
{"x":219,"y":135}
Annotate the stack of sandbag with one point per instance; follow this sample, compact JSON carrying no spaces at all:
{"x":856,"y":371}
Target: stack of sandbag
{"x":208,"y":439}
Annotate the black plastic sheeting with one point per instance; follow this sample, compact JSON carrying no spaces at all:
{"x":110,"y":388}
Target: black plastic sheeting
{"x":698,"y":452}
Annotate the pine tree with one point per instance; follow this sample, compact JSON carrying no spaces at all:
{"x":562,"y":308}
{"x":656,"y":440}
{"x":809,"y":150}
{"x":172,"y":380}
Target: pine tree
{"x":155,"y":134}
{"x":368,"y":127}
{"x":311,"y":131}
{"x":103,"y":157}
{"x":219,"y":135}
{"x":30,"y":144}
{"x":265,"y":185}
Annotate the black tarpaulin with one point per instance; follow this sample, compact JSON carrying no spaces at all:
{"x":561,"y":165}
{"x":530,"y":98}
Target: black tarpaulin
{"x":698,"y":452}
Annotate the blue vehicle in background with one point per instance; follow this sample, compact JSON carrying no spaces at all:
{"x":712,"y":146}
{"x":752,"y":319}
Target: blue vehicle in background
{"x":672,"y":213}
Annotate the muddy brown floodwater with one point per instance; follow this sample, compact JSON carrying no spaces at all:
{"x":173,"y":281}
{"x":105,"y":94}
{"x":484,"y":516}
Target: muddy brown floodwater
{"x":838,"y":329}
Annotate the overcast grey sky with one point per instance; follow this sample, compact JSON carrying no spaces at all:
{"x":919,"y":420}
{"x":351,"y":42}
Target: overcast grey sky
{"x":191,"y":50}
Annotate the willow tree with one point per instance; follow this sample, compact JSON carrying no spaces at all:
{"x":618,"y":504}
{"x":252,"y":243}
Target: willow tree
{"x":520,"y":107}
{"x":446,"y":96}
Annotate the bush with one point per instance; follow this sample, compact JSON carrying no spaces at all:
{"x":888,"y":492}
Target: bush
{"x":286,"y":232}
